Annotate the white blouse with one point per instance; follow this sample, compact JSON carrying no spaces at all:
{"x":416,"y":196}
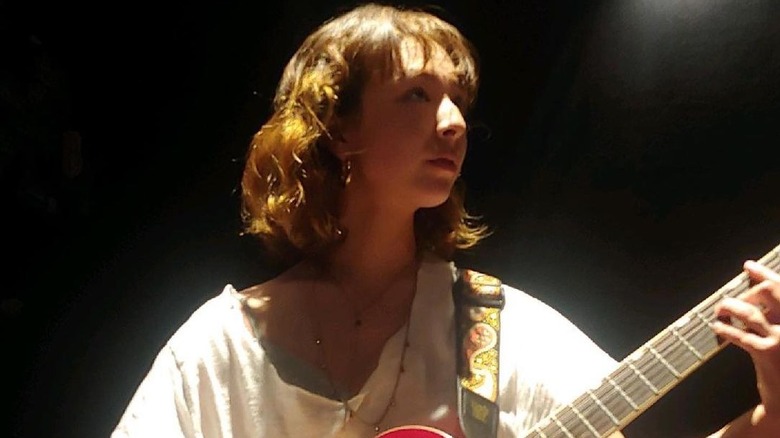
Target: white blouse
{"x":213,"y":379}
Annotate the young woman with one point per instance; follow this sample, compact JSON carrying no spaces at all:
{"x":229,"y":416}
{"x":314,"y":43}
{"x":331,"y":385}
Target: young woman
{"x":354,"y":180}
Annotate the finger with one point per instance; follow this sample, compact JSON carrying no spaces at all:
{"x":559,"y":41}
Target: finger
{"x":739,"y":312}
{"x":758,"y":272}
{"x":749,"y":342}
{"x":766,"y":296}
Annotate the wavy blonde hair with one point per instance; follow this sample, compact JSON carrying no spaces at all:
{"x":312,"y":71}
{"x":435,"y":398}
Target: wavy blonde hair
{"x":291,"y":182}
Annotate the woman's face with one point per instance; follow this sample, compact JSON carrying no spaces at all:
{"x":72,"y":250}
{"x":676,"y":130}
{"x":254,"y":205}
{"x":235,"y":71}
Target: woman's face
{"x":408,"y":141}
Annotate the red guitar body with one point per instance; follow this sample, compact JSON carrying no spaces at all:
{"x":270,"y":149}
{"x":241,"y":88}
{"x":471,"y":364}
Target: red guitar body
{"x":413,"y":432}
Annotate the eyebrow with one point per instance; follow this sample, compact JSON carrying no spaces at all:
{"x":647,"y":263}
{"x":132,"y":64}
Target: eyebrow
{"x":451,"y":80}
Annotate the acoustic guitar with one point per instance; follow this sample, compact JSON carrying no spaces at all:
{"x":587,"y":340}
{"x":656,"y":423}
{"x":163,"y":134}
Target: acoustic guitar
{"x":640,"y":380}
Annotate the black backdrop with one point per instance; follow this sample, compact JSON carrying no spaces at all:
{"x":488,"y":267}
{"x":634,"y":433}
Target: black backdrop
{"x":624,"y":152}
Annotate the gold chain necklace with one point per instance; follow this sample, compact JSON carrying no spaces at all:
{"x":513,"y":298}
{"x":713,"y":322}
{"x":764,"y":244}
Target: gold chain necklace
{"x":349,"y":413}
{"x":358,"y":313}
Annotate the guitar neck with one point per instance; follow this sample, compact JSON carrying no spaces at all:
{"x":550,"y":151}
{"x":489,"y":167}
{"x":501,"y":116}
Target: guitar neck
{"x":648,"y":373}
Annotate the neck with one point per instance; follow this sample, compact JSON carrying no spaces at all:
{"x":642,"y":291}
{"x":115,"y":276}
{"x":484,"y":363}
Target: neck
{"x":379,"y":246}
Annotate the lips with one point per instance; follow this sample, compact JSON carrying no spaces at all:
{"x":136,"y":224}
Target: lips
{"x":444,"y":163}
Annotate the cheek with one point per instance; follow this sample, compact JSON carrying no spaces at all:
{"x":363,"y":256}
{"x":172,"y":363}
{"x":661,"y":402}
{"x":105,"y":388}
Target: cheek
{"x":410,"y":119}
{"x":463,"y":149}
{"x":391,"y":143}
{"x":395,"y":140}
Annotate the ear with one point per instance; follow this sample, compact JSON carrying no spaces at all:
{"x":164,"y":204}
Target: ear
{"x":341,"y":140}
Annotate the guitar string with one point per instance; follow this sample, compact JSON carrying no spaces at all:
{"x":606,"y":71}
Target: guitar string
{"x":700,"y":328}
{"x":706,"y":308}
{"x":621,"y":375}
{"x":573,"y":422}
{"x":707,"y":311}
{"x":656,"y":370}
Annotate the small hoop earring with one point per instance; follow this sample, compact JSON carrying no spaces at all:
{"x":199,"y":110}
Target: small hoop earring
{"x":346,"y":172}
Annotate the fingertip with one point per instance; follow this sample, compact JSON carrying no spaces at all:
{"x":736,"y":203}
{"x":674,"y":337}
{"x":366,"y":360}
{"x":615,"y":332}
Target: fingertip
{"x":718,"y":327}
{"x":725,"y":301}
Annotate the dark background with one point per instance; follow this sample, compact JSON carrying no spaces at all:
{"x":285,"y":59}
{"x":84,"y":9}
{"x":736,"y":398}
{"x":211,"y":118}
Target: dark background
{"x":624,"y":152}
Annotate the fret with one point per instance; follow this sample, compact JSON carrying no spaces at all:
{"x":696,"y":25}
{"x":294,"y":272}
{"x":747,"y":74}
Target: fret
{"x":703,"y":318}
{"x":664,"y":362}
{"x":708,"y":343}
{"x":595,"y":412}
{"x":562,"y":427}
{"x":622,"y":393}
{"x":648,"y":373}
{"x":549,"y":426}
{"x":687,"y":344}
{"x":736,"y":286}
{"x":705,"y":340}
{"x":585,"y":421}
{"x":634,"y":386}
{"x":536,"y":432}
{"x":603,"y":407}
{"x":652,"y":370}
{"x":643,"y":378}
{"x":671,"y":359}
{"x":679,"y":357}
{"x":613,"y":400}
{"x":675,"y":354}
{"x":705,"y":344}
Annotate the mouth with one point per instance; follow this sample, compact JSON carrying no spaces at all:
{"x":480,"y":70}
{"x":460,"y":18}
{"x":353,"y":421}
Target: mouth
{"x":444,"y":164}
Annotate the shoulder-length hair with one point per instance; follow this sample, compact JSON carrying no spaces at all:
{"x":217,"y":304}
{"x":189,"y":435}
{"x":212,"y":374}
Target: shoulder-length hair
{"x":291,"y":182}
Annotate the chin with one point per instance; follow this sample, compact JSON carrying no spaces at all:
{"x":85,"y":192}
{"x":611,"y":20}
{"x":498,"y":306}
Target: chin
{"x":433,"y":192}
{"x":434,"y":199}
{"x":433,"y":204}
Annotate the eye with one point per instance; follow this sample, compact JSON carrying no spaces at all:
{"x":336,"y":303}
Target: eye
{"x":460,"y":102}
{"x":418,"y":94}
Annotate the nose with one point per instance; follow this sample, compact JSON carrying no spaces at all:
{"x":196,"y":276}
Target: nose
{"x":450,"y":123}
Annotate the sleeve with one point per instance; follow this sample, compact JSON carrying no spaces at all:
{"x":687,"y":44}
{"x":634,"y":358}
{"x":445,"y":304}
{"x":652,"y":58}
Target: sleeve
{"x":158,"y":407}
{"x":547,"y":359}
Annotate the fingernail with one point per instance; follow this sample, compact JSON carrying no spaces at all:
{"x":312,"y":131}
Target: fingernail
{"x":257,"y":303}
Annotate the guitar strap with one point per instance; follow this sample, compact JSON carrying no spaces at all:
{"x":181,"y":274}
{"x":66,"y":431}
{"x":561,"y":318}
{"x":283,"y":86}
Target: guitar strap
{"x":478,"y":300}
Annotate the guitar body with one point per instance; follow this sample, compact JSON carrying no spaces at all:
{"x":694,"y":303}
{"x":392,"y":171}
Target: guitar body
{"x":413,"y":432}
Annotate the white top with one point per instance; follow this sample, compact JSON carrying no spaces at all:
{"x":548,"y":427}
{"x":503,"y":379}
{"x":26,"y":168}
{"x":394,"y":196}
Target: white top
{"x":214,"y":379}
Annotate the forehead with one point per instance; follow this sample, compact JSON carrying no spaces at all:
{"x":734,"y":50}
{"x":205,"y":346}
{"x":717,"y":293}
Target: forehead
{"x":415,"y":61}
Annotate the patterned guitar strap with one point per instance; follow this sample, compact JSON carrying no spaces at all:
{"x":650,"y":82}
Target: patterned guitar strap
{"x":478,"y":299}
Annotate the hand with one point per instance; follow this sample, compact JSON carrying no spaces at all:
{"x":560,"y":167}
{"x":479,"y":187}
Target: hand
{"x":758,"y":309}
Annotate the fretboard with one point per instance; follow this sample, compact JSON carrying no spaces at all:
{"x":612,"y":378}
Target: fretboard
{"x":648,"y":373}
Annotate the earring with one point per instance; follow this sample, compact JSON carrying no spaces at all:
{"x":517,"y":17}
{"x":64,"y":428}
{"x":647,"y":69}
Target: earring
{"x":346,"y":172}
{"x":341,"y":234}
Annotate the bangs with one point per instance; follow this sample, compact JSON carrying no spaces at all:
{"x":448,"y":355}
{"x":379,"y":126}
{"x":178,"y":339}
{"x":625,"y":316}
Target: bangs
{"x":382,"y":44}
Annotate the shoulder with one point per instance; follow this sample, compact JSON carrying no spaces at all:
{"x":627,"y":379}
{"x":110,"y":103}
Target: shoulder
{"x":535,"y":310}
{"x":222,"y":319}
{"x":280,"y":285}
{"x":536,"y":329}
{"x":434,"y":268}
{"x":523,"y":309}
{"x":547,"y":348}
{"x":269,"y":308}
{"x":543,"y":325}
{"x":206,"y":330}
